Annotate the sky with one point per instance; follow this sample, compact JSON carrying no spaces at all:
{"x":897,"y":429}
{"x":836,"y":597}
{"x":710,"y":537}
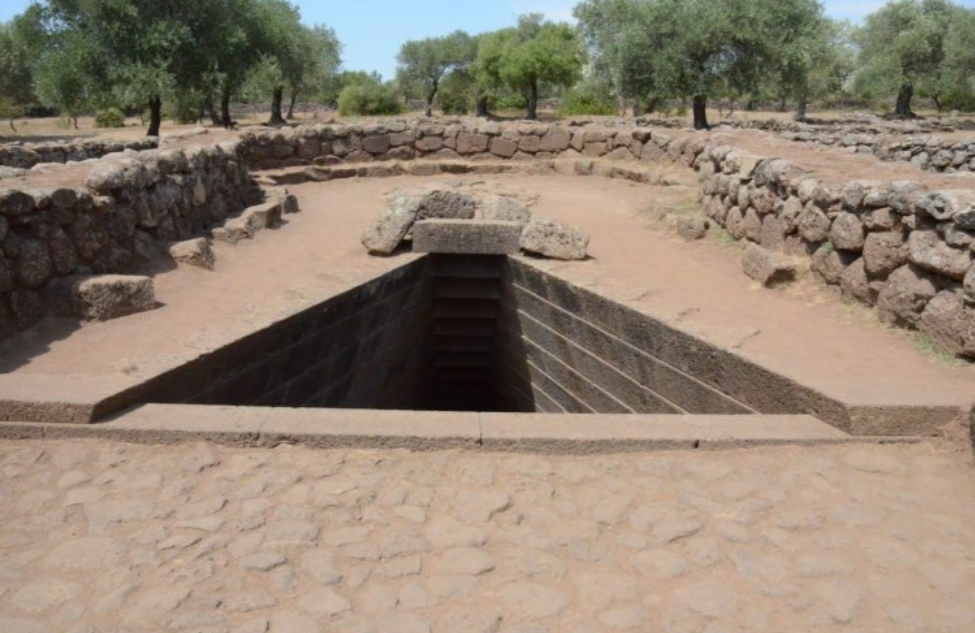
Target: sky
{"x":372,"y":31}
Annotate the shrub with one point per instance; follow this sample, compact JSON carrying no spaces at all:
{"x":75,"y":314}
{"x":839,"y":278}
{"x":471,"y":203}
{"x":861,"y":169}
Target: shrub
{"x":587,"y":99}
{"x":368,"y":99}
{"x":111,"y":117}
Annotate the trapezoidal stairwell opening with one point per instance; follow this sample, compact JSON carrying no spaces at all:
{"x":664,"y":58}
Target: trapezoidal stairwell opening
{"x":477,"y":333}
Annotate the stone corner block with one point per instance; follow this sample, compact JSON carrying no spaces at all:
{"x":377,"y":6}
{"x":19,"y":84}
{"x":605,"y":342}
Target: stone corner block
{"x":768,"y":268}
{"x":466,"y":237}
{"x":102,"y":297}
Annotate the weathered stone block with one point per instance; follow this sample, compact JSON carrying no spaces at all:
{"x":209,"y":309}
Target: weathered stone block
{"x":945,"y":205}
{"x":752,"y":225}
{"x":904,"y":296}
{"x":377,"y":144}
{"x":555,"y":140}
{"x":927,"y":250}
{"x":383,"y":236}
{"x":102,"y":297}
{"x":688,"y":227}
{"x":196,"y":252}
{"x":467,"y":237}
{"x":766,"y":267}
{"x":503,"y":147}
{"x":551,"y":238}
{"x":447,"y":205}
{"x":33,"y":264}
{"x":847,"y":233}
{"x":468,"y":143}
{"x":503,"y":208}
{"x":856,"y":284}
{"x":829,"y":263}
{"x":813,"y":224}
{"x":883,"y":253}
{"x":951,"y":323}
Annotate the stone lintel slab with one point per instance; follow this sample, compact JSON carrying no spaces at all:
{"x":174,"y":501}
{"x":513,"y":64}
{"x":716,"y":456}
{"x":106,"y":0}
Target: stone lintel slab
{"x":466,"y":237}
{"x":574,"y":433}
{"x":430,"y":430}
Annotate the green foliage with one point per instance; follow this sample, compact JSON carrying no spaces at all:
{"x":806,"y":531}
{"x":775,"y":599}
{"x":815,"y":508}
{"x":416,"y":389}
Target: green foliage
{"x":369,"y":98}
{"x":588,"y":98}
{"x":915,"y":46}
{"x":458,"y":93}
{"x":423,"y":64}
{"x":527,"y":57}
{"x":703,"y":48}
{"x":110,"y":117}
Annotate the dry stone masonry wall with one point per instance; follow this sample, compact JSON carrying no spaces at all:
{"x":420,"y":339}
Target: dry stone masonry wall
{"x":130,"y":206}
{"x":900,"y":247}
{"x":28,"y":155}
{"x":325,"y":145}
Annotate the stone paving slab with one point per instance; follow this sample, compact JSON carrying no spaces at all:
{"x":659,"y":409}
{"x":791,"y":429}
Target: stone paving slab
{"x":106,"y":537}
{"x":431,"y":430}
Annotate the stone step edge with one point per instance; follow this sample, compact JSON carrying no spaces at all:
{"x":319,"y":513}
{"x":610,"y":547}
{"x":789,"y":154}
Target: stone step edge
{"x":428,"y":430}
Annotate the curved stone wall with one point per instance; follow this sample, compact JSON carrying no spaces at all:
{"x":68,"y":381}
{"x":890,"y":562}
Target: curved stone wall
{"x":331,"y":145}
{"x":905,"y":249}
{"x":129,"y":206}
{"x":31,"y":154}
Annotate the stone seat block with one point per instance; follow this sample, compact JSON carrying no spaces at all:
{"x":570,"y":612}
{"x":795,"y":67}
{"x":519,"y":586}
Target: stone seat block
{"x":466,"y":237}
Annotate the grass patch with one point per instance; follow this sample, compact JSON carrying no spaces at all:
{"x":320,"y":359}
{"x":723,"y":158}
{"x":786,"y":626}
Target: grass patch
{"x":929,"y":348}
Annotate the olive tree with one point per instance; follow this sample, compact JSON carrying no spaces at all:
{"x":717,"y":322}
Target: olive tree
{"x":902,"y":50}
{"x":527,"y":56}
{"x":696,"y":49}
{"x":426,"y":63}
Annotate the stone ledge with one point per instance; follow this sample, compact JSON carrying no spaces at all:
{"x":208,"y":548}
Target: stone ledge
{"x":466,"y":237}
{"x":416,"y":430}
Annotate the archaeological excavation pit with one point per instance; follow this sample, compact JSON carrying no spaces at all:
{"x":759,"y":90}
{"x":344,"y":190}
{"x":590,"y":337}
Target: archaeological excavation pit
{"x":481,"y":333}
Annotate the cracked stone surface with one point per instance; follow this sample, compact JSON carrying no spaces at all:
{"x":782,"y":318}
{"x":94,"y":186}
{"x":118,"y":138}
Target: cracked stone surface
{"x":101,"y":537}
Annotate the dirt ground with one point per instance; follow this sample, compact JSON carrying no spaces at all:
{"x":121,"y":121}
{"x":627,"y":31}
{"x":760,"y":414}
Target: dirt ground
{"x":102,"y":537}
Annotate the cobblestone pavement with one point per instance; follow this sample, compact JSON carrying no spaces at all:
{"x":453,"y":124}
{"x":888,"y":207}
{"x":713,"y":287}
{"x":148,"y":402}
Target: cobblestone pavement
{"x":99,"y":537}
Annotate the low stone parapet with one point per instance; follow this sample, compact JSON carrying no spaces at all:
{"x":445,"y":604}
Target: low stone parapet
{"x":898,"y":246}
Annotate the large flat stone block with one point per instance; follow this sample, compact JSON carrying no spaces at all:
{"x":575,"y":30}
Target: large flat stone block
{"x":466,"y":237}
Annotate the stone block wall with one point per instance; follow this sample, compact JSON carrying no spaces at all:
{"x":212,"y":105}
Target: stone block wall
{"x":31,"y":154}
{"x":475,"y":141}
{"x":588,"y":354}
{"x":905,"y":249}
{"x":129,"y":207}
{"x":365,"y":348}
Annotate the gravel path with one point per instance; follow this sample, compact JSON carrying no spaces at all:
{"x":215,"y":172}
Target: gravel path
{"x":102,"y":537}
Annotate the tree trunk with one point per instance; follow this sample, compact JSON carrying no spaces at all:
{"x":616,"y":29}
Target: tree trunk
{"x":937,"y":101}
{"x":276,"y":119}
{"x":291,"y":106}
{"x":700,"y":113}
{"x":74,"y":120}
{"x":431,"y":96}
{"x":482,"y":106}
{"x":904,"y":97}
{"x":800,"y":114}
{"x":211,"y":111}
{"x":155,"y":115}
{"x":12,"y":125}
{"x":533,"y":100}
{"x":225,"y":119}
